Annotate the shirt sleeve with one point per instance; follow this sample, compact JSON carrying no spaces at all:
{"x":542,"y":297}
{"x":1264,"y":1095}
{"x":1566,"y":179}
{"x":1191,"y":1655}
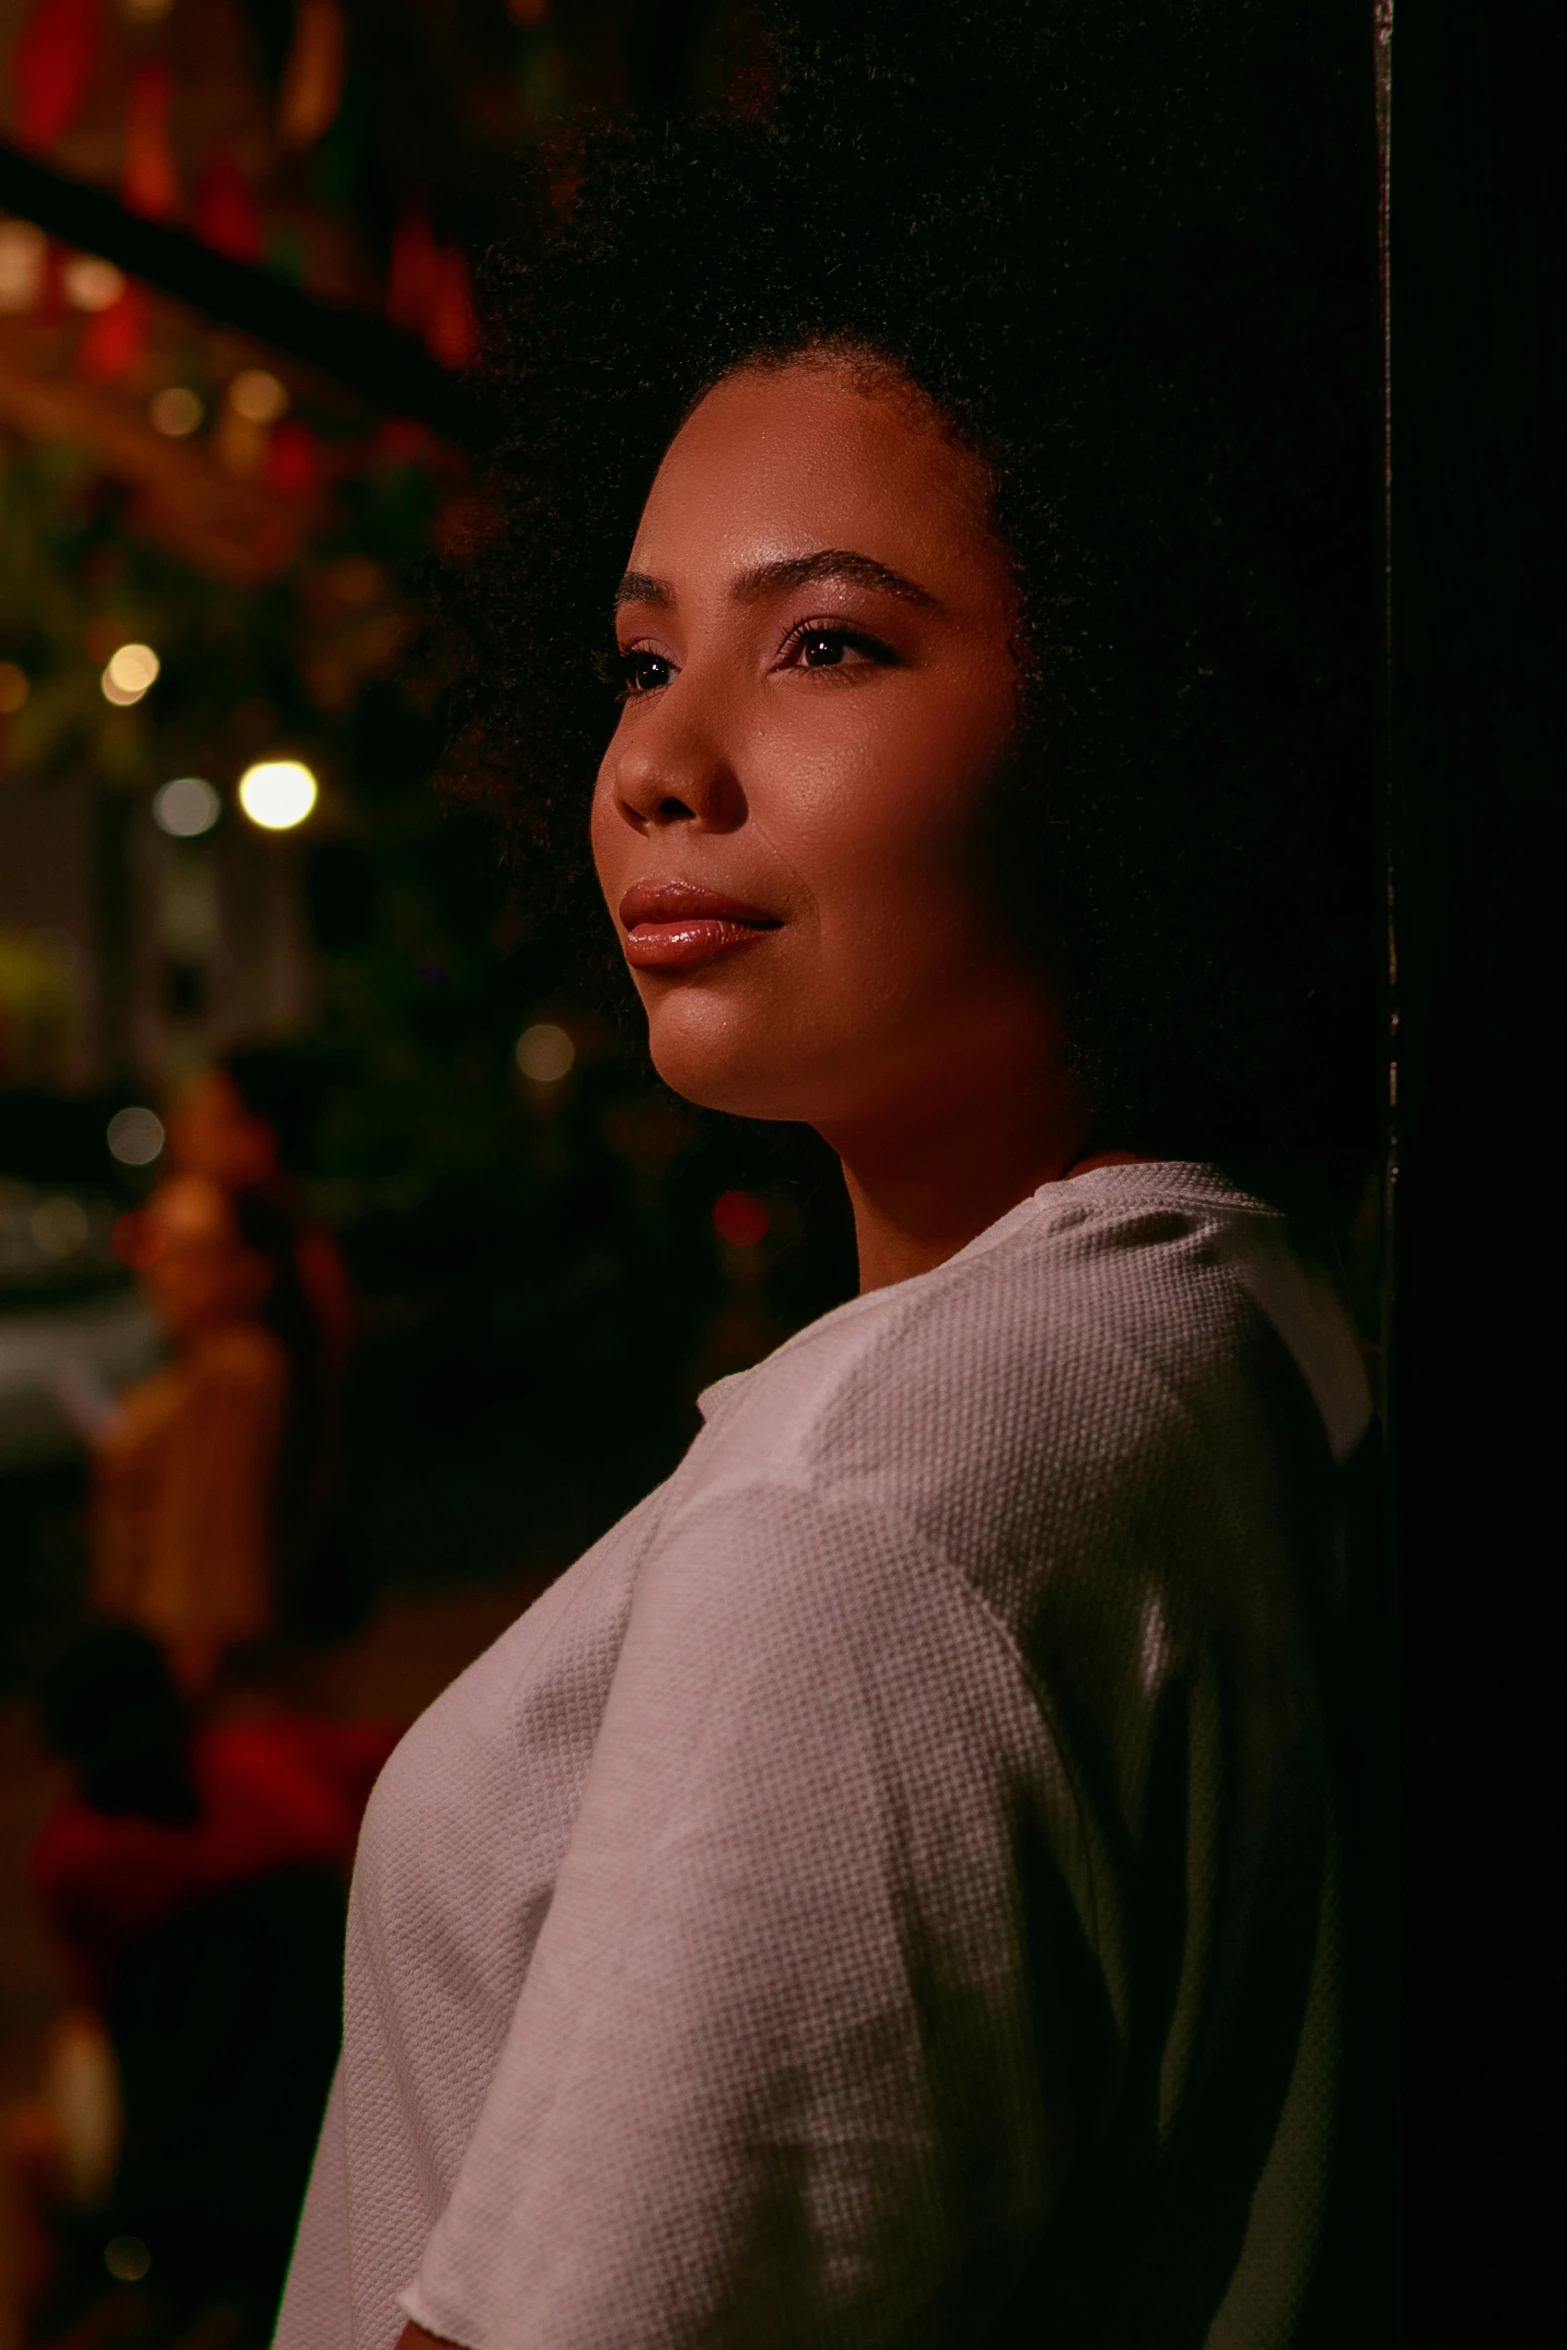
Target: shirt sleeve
{"x":791,"y":2062}
{"x":317,"y":2309}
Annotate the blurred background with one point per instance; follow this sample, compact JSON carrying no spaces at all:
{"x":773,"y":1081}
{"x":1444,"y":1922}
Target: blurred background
{"x":354,"y":1272}
{"x":317,"y":1178}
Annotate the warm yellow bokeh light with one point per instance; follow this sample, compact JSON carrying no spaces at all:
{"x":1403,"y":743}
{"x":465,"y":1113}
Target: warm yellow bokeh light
{"x":91,"y":284}
{"x":128,"y":673}
{"x":545,"y":1053}
{"x":277,"y":794}
{"x":176,"y":412}
{"x":257,"y":395}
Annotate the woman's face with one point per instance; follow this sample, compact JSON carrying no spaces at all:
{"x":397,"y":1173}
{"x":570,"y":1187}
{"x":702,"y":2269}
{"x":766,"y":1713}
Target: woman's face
{"x":792,"y":822}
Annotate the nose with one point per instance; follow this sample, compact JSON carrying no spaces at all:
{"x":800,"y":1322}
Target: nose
{"x":666,"y":767}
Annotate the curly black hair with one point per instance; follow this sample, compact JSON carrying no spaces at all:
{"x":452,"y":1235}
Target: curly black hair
{"x":1130,"y":255}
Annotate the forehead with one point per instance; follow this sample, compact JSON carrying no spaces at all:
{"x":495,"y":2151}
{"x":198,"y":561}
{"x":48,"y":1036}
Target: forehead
{"x":779,"y":461}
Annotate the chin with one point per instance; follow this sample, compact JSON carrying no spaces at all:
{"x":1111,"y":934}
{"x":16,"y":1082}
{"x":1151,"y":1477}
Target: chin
{"x":709,"y":1056}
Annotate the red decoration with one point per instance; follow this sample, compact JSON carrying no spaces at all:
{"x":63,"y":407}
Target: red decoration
{"x":411,"y":282}
{"x":52,"y":68}
{"x":149,"y":183}
{"x":293,"y":461}
{"x":451,"y":331}
{"x":115,"y":340}
{"x":313,"y":77}
{"x":741,"y":1219}
{"x":227,"y":215}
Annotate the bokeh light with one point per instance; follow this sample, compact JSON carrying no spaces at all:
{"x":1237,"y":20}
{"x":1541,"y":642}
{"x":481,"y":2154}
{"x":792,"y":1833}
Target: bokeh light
{"x":91,"y":284}
{"x":741,"y":1219}
{"x":277,"y":794}
{"x":58,"y":1226}
{"x":15,"y":686}
{"x":257,"y":395}
{"x":128,"y":674}
{"x":135,"y":1136}
{"x":545,"y":1053}
{"x":186,"y":808}
{"x":23,"y":252}
{"x":176,"y":412}
{"x":127,"y":2259}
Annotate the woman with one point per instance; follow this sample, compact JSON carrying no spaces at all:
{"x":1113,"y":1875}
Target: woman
{"x":885,"y":1892}
{"x":232,"y":1125}
{"x":198,"y":1467}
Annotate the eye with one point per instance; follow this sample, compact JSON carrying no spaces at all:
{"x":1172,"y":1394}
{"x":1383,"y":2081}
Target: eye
{"x":642,"y":672}
{"x":820,"y":647}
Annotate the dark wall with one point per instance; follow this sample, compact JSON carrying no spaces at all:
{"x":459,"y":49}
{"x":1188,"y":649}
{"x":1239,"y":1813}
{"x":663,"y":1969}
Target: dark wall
{"x":1475,"y":338}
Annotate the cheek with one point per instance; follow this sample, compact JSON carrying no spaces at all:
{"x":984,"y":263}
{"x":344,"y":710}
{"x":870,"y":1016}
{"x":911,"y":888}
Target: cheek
{"x":889,"y":803}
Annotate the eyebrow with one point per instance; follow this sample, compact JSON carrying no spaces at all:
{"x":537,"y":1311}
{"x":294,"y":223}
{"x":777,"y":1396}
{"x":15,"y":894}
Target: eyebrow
{"x":793,"y":571}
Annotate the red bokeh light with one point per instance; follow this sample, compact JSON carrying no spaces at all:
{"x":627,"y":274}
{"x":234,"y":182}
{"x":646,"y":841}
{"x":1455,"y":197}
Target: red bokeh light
{"x":741,"y":1218}
{"x":293,"y":461}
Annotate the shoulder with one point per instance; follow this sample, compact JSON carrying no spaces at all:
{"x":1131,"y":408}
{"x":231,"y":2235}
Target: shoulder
{"x":1092,"y":1314}
{"x":1099,"y":1373}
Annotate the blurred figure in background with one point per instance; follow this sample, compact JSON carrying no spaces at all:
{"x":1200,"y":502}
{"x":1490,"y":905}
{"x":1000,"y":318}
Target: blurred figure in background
{"x":194,"y":1879}
{"x":241,"y":1124}
{"x":206,"y":1478}
{"x":245,"y":1124}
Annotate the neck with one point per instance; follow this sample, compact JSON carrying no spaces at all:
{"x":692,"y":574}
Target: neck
{"x":922,"y":1187}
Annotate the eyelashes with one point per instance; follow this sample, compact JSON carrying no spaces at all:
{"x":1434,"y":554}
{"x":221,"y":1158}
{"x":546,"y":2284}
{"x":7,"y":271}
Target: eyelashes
{"x":832,"y":640}
{"x":817,"y":645}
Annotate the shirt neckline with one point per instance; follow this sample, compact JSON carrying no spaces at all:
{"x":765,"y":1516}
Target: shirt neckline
{"x":1181,"y":1182}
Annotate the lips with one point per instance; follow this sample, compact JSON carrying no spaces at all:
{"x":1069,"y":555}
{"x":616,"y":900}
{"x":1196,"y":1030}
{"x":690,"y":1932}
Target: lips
{"x":677,"y":925}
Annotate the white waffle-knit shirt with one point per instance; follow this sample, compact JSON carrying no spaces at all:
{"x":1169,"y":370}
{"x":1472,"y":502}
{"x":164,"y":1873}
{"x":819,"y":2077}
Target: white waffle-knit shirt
{"x":883,"y":1893}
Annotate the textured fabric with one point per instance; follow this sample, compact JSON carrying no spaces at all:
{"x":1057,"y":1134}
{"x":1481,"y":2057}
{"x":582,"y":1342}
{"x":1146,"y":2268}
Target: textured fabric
{"x":883,"y":1894}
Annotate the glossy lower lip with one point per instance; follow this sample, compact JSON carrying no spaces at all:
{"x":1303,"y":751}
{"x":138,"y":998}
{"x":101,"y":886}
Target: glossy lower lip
{"x":678,"y":925}
{"x":681,"y":945}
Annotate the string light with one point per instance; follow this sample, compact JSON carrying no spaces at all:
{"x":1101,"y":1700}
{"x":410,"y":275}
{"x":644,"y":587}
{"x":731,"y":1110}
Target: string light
{"x":545,"y":1053}
{"x":186,"y":808}
{"x":135,"y":1137}
{"x":277,"y":794}
{"x":176,"y":412}
{"x":23,"y":252}
{"x":128,"y":674}
{"x":91,"y":284}
{"x":257,"y":395}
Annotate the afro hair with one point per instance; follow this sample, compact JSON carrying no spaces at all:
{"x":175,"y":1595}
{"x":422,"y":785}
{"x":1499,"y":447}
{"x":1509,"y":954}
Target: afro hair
{"x":1130,"y":255}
